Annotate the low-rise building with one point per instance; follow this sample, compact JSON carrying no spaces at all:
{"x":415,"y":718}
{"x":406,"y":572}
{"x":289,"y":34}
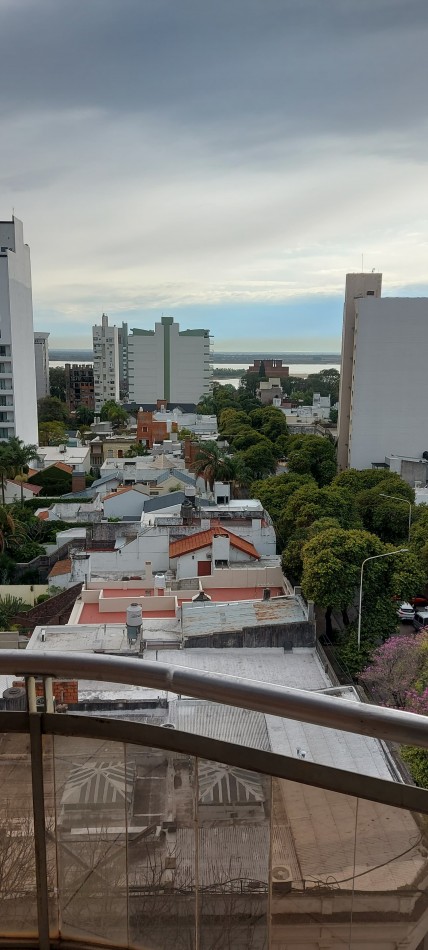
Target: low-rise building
{"x":77,"y":457}
{"x":269,"y":390}
{"x":272,"y":368}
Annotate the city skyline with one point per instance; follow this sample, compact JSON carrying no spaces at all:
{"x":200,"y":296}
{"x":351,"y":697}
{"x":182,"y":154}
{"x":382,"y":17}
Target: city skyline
{"x":226,"y":166}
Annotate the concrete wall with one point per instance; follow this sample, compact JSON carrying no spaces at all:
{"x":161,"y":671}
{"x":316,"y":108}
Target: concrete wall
{"x":153,"y":546}
{"x":187,"y":565}
{"x":357,"y":286}
{"x":390,"y":383}
{"x":27,"y":592}
{"x":287,"y":636}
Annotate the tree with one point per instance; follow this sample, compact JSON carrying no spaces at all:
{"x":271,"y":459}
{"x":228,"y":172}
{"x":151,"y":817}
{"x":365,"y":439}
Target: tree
{"x":396,"y":666}
{"x":248,"y":437}
{"x":6,"y":467}
{"x":115,"y":413}
{"x":84,"y":416}
{"x":259,"y":460}
{"x":54,"y":481}
{"x":21,"y":456}
{"x":52,"y":433}
{"x":57,"y":382}
{"x":270,"y":421}
{"x":136,"y":449}
{"x":11,"y":531}
{"x":310,"y":503}
{"x":52,"y":409}
{"x":212,"y":464}
{"x":262,"y":370}
{"x":312,"y":455}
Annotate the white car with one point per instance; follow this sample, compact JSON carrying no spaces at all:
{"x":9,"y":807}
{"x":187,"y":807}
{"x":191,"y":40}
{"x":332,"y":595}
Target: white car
{"x":406,"y":612}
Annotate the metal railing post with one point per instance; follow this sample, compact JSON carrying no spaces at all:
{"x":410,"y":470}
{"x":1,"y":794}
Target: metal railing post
{"x":38,"y":795}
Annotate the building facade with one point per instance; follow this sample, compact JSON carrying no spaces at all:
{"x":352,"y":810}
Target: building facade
{"x":79,"y":386}
{"x":18,"y":396}
{"x":383,"y":386}
{"x":357,"y":287}
{"x":273,"y":368}
{"x":41,"y":354}
{"x":168,"y":363}
{"x":106,"y":363}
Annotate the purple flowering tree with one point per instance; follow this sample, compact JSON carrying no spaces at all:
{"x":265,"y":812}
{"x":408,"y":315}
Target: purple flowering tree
{"x":398,"y":673}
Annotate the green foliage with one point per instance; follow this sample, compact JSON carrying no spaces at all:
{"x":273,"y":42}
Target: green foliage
{"x":136,"y":449}
{"x":27,"y":551}
{"x":417,"y":763}
{"x":312,"y":455}
{"x":262,"y":370}
{"x":9,"y":608}
{"x":352,"y":659}
{"x":326,"y":383}
{"x":334,"y":416}
{"x":270,"y":421}
{"x":52,"y":433}
{"x":309,"y":504}
{"x":54,"y":482}
{"x":115,"y":413}
{"x":57,"y":382}
{"x":259,"y":460}
{"x":332,"y":564}
{"x":84,"y":416}
{"x":212,"y":463}
{"x":52,"y":409}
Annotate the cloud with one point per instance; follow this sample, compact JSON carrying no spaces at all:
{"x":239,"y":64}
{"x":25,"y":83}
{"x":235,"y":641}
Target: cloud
{"x":170,"y":156}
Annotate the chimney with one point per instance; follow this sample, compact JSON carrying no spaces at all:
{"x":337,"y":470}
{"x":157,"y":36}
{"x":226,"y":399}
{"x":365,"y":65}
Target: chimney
{"x":78,"y":481}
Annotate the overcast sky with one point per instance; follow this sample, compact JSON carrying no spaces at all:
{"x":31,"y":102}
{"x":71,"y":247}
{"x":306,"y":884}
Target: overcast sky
{"x":222,"y":161}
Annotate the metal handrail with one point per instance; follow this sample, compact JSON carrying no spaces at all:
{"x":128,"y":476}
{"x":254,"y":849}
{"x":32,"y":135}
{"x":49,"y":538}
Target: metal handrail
{"x":302,"y":705}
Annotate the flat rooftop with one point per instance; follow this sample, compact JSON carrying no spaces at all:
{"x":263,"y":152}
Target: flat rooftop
{"x":201,"y":620}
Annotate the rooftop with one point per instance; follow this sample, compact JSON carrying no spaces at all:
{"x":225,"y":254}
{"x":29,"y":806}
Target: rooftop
{"x":204,"y":539}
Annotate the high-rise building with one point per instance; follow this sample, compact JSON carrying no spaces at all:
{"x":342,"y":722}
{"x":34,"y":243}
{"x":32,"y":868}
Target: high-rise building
{"x":18,"y":398}
{"x":168,"y":363}
{"x":106,"y":362}
{"x":123,"y":359}
{"x":79,"y":386}
{"x":41,"y":353}
{"x":357,"y":287}
{"x":383,"y":418}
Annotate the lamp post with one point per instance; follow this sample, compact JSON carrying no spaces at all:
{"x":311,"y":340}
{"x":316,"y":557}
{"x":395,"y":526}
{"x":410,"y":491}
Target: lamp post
{"x":374,"y":557}
{"x":406,"y":501}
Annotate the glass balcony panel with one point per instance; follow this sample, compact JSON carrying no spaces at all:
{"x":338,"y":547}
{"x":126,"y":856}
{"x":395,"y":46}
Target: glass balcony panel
{"x":18,"y":891}
{"x":233,"y":816}
{"x":391,"y":874}
{"x":312,"y":866}
{"x":51,"y":833}
{"x":92,"y":812}
{"x":161,"y":849}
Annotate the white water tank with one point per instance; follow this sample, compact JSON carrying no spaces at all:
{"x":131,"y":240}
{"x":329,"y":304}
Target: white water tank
{"x":134,"y":620}
{"x":159,"y":582}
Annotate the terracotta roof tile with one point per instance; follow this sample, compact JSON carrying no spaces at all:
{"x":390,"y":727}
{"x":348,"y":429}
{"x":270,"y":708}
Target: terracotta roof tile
{"x":61,"y":567}
{"x":204,"y":539}
{"x":120,"y":491}
{"x":63,"y":466}
{"x":43,"y":515}
{"x":33,"y":488}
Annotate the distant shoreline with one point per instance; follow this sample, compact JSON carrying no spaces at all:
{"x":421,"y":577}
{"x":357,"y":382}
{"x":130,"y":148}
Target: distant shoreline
{"x":228,"y":359}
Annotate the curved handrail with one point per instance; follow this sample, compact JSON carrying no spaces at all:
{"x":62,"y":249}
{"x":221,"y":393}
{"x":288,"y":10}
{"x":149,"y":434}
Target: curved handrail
{"x":302,"y":705}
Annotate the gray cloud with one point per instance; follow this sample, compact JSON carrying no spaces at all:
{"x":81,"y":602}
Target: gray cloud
{"x":174,"y":152}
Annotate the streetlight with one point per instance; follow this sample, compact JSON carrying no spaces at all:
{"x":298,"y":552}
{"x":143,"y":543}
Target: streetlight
{"x":398,"y":498}
{"x":374,"y":557}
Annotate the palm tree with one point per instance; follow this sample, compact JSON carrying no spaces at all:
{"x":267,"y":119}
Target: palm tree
{"x":241,"y":477}
{"x":212,"y":464}
{"x":20,"y":456}
{"x":11,"y":531}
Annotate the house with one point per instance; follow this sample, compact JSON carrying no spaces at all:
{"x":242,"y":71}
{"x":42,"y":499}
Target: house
{"x":77,"y":457}
{"x":125,"y":502}
{"x":197,"y":554}
{"x":15,"y":490}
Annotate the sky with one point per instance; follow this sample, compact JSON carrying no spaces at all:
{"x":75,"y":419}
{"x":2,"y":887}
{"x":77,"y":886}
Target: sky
{"x":226,"y":163}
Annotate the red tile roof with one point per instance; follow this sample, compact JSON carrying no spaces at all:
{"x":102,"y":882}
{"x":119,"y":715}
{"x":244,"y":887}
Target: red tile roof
{"x":63,"y":466}
{"x":204,"y":539}
{"x":61,"y":567}
{"x":33,"y":488}
{"x":119,"y":491}
{"x":43,"y":515}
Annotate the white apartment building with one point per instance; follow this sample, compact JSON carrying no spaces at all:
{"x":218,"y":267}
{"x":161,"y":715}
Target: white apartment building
{"x":18,"y":398}
{"x":106,"y":363}
{"x":168,"y":363}
{"x":41,"y":353}
{"x":384,"y":415}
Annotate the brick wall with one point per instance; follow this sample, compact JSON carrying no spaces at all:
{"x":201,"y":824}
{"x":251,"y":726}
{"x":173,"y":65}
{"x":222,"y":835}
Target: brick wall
{"x":65,"y":691}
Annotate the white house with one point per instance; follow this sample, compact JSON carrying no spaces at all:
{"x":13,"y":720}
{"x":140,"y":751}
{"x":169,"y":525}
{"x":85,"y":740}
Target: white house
{"x":78,"y":457}
{"x":198,"y":554}
{"x":125,"y":502}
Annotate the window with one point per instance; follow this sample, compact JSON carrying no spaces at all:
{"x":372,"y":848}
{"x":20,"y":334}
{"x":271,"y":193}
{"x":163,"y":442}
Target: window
{"x":370,"y":293}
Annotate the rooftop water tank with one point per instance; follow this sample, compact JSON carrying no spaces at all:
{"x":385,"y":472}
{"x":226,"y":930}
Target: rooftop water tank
{"x":134,"y":620}
{"x":15,"y":698}
{"x":159,"y":581}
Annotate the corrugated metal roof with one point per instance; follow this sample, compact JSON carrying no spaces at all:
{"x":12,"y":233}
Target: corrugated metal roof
{"x":164,"y":501}
{"x":216,"y":721}
{"x":215,"y":617}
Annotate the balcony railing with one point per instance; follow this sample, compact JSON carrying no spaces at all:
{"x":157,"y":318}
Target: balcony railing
{"x":116,"y":832}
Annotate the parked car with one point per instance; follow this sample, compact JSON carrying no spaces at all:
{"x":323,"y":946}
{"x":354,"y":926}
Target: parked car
{"x":406,"y":613}
{"x":420,"y":619}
